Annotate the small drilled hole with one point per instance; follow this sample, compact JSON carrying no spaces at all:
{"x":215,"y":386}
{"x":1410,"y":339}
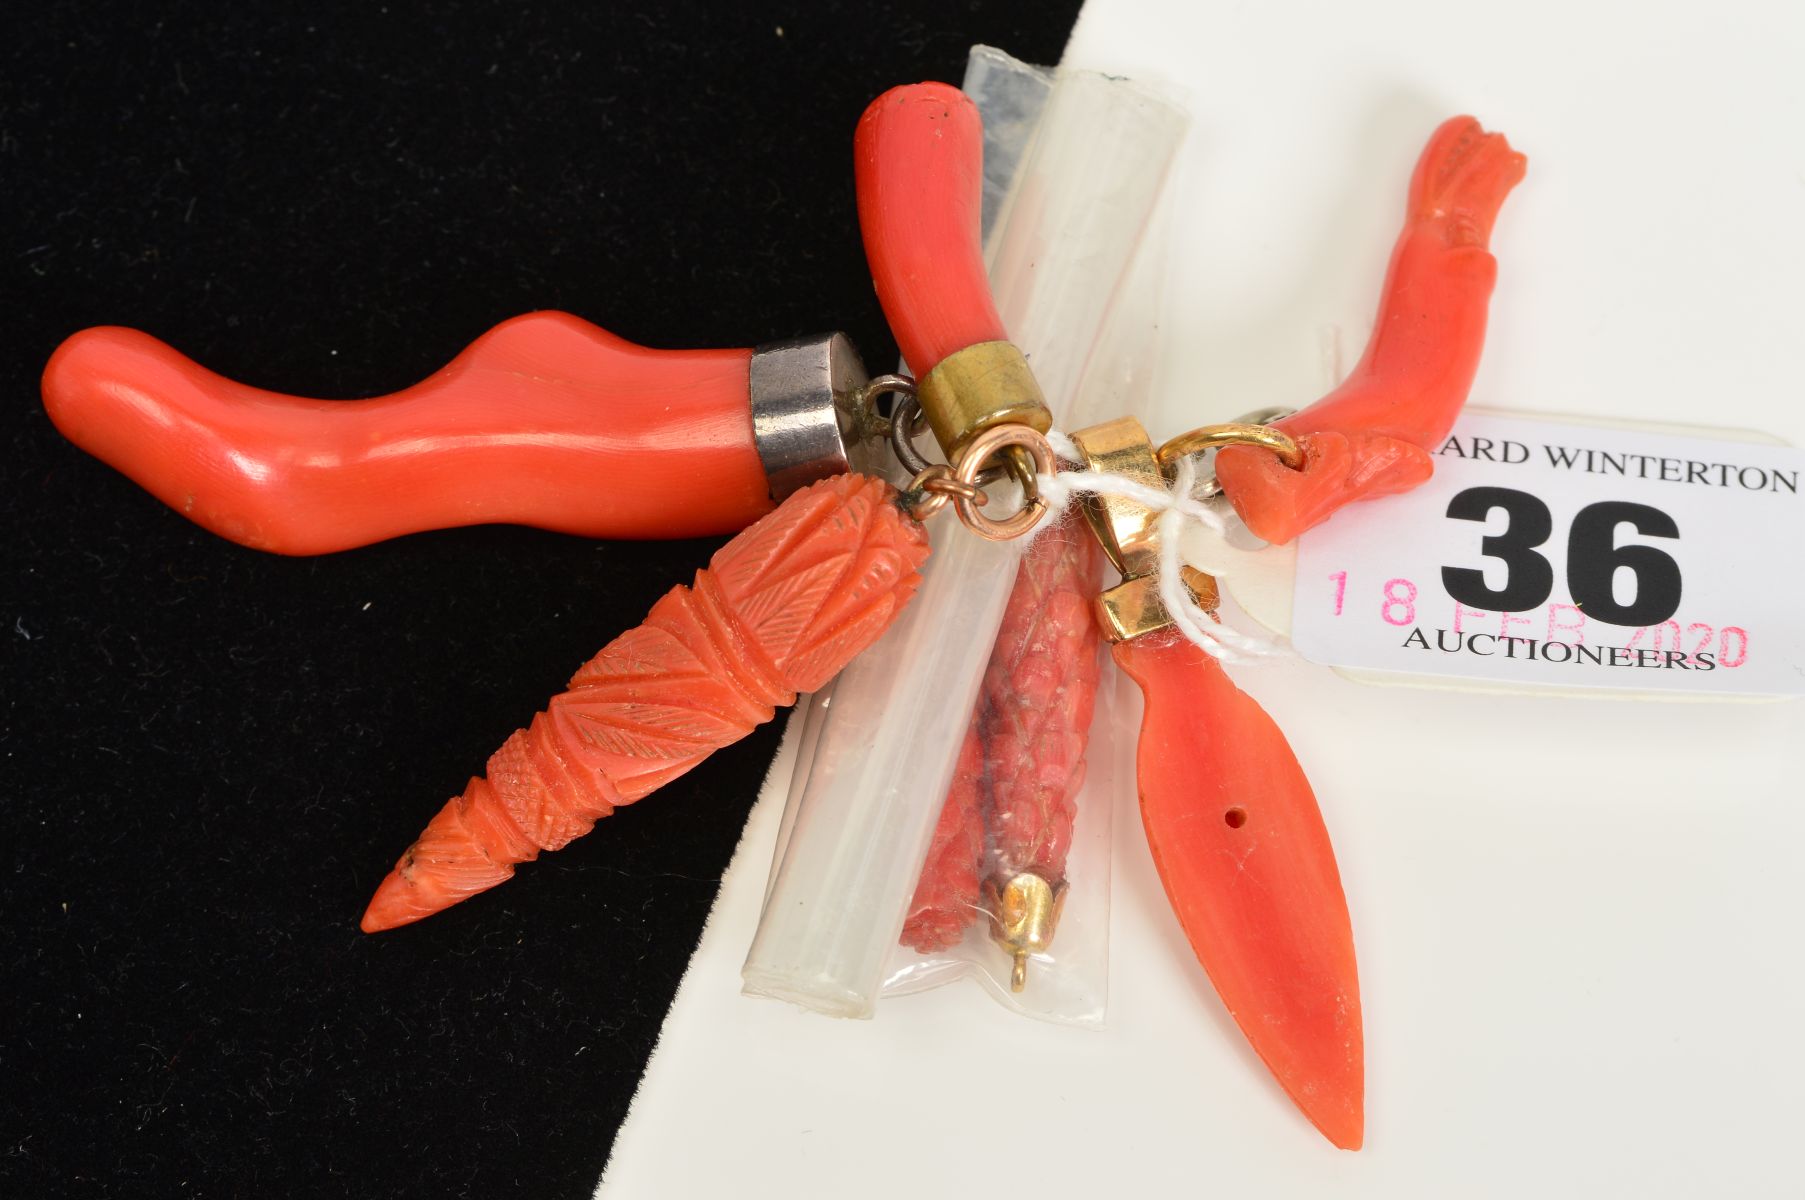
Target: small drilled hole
{"x":1234,"y":818}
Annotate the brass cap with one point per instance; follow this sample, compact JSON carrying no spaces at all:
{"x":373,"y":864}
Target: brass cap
{"x":1024,"y":913}
{"x":975,"y":388}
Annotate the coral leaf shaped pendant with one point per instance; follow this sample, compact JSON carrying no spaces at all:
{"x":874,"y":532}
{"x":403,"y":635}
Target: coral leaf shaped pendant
{"x":1246,"y":863}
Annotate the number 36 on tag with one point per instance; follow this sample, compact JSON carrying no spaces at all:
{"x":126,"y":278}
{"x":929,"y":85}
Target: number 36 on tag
{"x":1546,"y":554}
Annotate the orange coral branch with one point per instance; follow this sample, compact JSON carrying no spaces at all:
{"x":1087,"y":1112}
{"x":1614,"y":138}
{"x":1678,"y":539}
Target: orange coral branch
{"x":1373,"y":435}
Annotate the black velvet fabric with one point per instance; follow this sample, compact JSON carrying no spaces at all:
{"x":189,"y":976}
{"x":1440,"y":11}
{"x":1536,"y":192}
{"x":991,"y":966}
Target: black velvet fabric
{"x":212,"y":755}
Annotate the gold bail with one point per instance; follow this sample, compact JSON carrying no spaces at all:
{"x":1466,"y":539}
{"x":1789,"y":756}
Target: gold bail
{"x":1128,"y":530}
{"x":1024,"y":913}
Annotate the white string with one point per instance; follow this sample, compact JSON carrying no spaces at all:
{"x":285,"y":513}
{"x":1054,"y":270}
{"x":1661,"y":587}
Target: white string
{"x":1175,"y":507}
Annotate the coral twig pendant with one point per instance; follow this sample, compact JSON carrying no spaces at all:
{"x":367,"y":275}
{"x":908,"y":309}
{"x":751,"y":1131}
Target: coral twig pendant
{"x":779,"y":610}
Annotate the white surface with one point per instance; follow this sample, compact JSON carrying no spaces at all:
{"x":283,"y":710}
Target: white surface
{"x":1370,"y":592}
{"x":1578,"y":920}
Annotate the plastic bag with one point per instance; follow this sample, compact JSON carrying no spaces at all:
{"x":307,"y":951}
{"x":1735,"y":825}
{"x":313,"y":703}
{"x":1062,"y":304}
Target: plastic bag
{"x":881,"y":750}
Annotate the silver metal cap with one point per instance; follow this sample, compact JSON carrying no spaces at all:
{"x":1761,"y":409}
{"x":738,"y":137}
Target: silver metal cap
{"x":804,"y":394}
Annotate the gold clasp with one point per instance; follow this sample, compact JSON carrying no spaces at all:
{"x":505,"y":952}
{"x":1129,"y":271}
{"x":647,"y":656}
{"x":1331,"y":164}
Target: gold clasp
{"x":1128,"y":530}
{"x":1214,"y":437}
{"x":937,"y":485}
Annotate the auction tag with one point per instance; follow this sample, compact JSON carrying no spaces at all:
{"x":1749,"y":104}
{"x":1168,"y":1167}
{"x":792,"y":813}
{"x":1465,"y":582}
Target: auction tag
{"x":1545,"y":554}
